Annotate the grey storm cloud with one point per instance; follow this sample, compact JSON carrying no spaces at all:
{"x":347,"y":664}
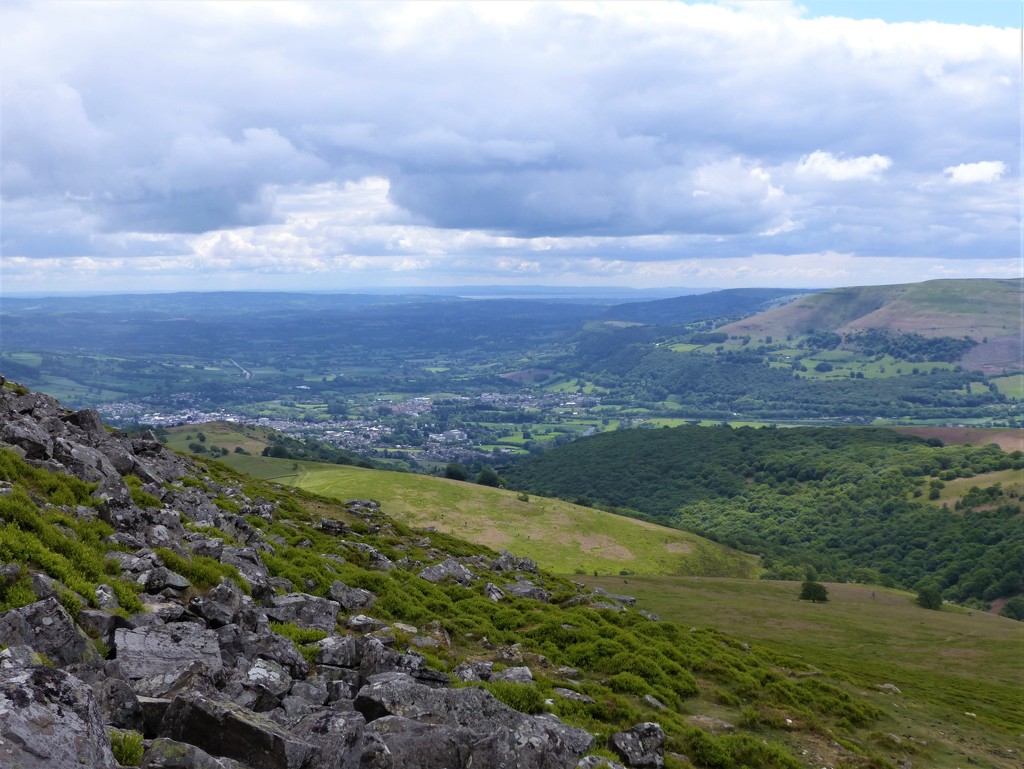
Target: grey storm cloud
{"x":728,"y":129}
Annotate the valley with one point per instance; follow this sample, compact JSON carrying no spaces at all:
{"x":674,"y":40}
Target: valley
{"x":704,"y":455}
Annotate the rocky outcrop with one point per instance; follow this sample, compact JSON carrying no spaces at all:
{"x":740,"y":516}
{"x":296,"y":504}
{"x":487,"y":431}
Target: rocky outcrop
{"x":495,"y":735}
{"x":203,"y":675}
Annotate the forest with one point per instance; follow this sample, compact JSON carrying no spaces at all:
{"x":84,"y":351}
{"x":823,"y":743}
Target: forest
{"x":840,"y":504}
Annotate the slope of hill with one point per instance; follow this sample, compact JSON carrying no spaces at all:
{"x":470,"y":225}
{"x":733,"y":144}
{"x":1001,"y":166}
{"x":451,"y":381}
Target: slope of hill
{"x":728,"y":303}
{"x":962,"y":670}
{"x":987,"y":311}
{"x":562,"y":537}
{"x":849,"y":503}
{"x":238,"y":625}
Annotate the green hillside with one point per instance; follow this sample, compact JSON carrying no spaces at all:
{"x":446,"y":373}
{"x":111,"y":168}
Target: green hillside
{"x":850,"y":504}
{"x":562,"y":537}
{"x":986,"y":311}
{"x":960,"y":674}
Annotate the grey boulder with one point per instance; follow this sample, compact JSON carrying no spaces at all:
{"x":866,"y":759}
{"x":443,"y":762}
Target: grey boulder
{"x":50,"y":720}
{"x":641,"y":746}
{"x":160,"y":649}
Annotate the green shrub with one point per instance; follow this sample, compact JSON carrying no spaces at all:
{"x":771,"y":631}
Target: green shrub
{"x":140,"y":497}
{"x":127,"y":747}
{"x":629,"y":683}
{"x":1014,"y":608}
{"x":200,"y":570}
{"x":17,"y":594}
{"x":522,"y":697}
{"x":299,"y":635}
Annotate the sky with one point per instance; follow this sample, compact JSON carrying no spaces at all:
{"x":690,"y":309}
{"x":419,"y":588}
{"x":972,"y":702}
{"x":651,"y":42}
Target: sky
{"x":337,"y":146}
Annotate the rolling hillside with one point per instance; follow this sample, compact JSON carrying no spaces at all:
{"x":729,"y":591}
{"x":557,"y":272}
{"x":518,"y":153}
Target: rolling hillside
{"x":560,"y":536}
{"x":987,"y":311}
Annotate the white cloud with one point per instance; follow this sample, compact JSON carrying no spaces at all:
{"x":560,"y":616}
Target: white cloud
{"x":983,"y":172}
{"x":307,"y":136}
{"x":839,"y":169}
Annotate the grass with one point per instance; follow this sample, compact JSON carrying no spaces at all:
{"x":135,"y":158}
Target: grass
{"x":1011,"y":386}
{"x":559,"y":536}
{"x":1011,"y":481}
{"x":947,"y":664}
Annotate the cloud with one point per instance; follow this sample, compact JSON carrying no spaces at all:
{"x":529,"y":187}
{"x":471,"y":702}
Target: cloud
{"x":337,"y":136}
{"x":982,"y":172}
{"x":828,"y":166}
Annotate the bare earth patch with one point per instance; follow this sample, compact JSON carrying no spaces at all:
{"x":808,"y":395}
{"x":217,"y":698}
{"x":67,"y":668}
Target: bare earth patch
{"x":1006,"y":439}
{"x":604,"y":546}
{"x":679,"y":548}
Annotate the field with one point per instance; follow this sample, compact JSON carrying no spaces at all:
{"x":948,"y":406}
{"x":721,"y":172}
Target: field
{"x":559,"y":536}
{"x":1006,"y":439}
{"x":1011,"y":386}
{"x":1011,"y":481}
{"x":960,"y":674}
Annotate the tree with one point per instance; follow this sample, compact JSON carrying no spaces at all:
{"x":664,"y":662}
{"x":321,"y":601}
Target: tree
{"x":1014,"y":608}
{"x":929,"y":598}
{"x":455,"y":472}
{"x":488,"y":477}
{"x":813,"y":591}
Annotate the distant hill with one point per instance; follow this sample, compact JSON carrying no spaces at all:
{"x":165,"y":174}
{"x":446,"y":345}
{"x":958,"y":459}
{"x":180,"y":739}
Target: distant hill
{"x":987,"y":311}
{"x":730,"y":303}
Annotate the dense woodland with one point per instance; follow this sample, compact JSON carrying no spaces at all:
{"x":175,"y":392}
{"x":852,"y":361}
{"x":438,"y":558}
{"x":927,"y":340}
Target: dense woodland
{"x":838,"y":504}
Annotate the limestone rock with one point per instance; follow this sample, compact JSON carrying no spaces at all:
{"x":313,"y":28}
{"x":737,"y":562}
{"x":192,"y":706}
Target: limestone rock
{"x":337,"y":739}
{"x":351,"y":598}
{"x":306,"y":611}
{"x":502,"y":737}
{"x":422,"y":745}
{"x":119,"y":705}
{"x":449,"y":569}
{"x":50,"y":720}
{"x":149,"y":651}
{"x":641,"y":746}
{"x":223,"y":728}
{"x":170,"y":754}
{"x":507,"y":562}
{"x":493,"y":592}
{"x":598,"y":762}
{"x":527,"y":589}
{"x":569,"y":694}
{"x":49,"y":630}
{"x":516,"y":675}
{"x":342,"y":651}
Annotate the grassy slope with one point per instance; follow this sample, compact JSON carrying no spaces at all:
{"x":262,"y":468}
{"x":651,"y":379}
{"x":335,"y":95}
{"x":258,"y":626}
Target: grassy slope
{"x":946,"y":664}
{"x":560,"y":536}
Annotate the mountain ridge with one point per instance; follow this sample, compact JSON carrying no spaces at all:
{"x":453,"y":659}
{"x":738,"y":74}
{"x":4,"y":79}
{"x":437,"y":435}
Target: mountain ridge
{"x":987,"y":311}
